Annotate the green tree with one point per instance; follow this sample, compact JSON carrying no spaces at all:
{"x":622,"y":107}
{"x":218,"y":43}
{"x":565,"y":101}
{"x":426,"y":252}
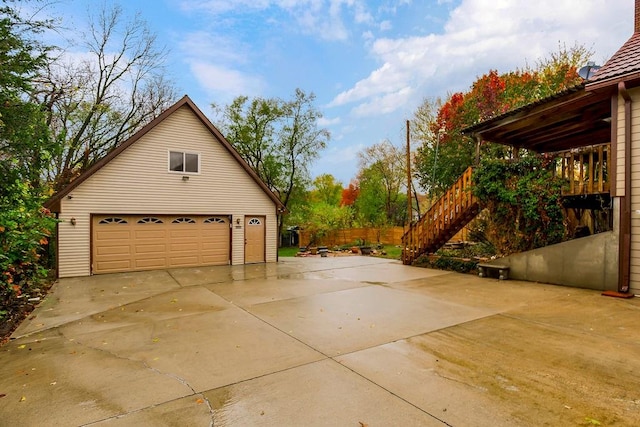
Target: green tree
{"x":251,"y":126}
{"x":370,"y":209}
{"x":300,"y":142}
{"x":24,"y":149}
{"x":384,"y":164}
{"x":278,"y":139}
{"x":327,"y":190}
{"x":319,"y":219}
{"x":25,"y":145}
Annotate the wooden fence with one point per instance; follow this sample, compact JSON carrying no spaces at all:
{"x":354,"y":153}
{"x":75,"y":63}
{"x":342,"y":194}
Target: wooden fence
{"x":389,"y":236}
{"x":347,"y":236}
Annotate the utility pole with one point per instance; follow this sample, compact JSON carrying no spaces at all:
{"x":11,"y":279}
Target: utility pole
{"x":409,"y":213}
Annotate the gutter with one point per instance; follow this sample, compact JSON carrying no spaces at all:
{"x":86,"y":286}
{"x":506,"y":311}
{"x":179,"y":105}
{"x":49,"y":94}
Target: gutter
{"x":624,"y":249}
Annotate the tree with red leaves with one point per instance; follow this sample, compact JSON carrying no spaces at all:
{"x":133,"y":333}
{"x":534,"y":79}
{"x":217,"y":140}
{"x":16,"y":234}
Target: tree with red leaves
{"x":350,"y":194}
{"x":444,"y":153}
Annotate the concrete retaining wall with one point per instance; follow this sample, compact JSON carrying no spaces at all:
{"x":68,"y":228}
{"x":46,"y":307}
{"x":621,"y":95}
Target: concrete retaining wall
{"x":589,"y":262}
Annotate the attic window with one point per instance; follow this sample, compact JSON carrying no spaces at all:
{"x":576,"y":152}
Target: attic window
{"x":180,"y":161}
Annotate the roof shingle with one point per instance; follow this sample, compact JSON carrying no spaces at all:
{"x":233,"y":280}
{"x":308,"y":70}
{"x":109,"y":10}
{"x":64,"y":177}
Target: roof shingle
{"x":625,"y":61}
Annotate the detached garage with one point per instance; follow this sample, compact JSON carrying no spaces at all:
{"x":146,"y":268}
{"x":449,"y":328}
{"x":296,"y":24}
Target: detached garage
{"x":176,"y":194}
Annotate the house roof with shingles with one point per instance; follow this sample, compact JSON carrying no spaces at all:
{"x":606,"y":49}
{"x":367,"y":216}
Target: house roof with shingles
{"x":54,"y":202}
{"x":623,"y":65}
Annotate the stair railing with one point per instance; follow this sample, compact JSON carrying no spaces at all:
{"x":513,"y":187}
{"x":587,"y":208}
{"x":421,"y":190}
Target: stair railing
{"x":452,"y":211}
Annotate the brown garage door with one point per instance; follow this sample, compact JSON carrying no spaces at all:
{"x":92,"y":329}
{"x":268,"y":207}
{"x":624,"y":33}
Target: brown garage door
{"x":151,"y":242}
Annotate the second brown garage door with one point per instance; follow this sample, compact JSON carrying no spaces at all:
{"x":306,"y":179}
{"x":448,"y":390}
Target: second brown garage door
{"x":152,"y":242}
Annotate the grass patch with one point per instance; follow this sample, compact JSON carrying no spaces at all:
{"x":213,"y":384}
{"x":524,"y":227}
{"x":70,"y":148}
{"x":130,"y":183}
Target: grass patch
{"x":287,"y":251}
{"x":393,"y":252}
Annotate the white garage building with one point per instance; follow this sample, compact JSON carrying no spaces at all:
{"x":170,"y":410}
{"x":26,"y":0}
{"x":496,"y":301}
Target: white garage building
{"x":176,"y":194}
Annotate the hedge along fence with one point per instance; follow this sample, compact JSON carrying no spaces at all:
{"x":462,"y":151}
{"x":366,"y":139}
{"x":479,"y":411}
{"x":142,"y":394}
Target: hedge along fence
{"x":347,"y":236}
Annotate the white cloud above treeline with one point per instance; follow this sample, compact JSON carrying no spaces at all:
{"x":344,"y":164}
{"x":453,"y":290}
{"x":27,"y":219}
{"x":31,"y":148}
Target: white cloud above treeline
{"x":478,"y":36}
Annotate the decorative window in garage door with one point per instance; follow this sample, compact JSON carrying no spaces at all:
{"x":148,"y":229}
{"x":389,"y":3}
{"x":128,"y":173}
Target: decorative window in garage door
{"x":149,"y":220}
{"x":183,"y":220}
{"x":112,"y":220}
{"x":255,"y":221}
{"x":214,"y":220}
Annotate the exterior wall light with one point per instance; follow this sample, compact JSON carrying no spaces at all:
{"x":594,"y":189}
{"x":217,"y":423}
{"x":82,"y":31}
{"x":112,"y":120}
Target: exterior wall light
{"x":73,"y":221}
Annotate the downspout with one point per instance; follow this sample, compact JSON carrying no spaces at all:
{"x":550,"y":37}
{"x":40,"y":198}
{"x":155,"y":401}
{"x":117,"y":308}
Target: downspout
{"x":624,"y":249}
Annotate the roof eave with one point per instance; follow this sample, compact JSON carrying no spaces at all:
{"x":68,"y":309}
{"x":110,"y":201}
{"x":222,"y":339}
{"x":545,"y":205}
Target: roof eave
{"x":567,"y":95}
{"x":54,"y":203}
{"x":613,"y":81}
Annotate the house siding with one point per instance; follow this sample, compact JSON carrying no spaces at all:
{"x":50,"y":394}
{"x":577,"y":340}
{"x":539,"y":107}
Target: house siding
{"x":620,"y":147}
{"x":138,"y":182}
{"x":635,"y":181}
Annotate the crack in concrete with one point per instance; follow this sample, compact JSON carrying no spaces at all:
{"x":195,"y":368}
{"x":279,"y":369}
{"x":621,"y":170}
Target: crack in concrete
{"x":394,"y":394}
{"x":177,"y":378}
{"x":185,"y":383}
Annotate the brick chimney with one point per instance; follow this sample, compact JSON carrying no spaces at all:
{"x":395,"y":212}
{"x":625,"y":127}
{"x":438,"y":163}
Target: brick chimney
{"x":637,"y":17}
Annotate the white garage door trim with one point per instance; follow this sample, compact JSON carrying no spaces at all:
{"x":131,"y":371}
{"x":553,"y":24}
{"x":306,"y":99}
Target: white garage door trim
{"x":122,"y":242}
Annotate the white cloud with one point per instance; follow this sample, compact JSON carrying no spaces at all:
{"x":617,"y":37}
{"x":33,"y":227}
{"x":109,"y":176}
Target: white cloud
{"x":481,"y":35}
{"x":325,"y":122}
{"x":213,"y":47}
{"x":383,"y":104}
{"x":225,"y":83}
{"x":339,"y":160}
{"x":385,"y":26}
{"x":327,"y":19}
{"x":217,"y":7}
{"x":216,"y":62}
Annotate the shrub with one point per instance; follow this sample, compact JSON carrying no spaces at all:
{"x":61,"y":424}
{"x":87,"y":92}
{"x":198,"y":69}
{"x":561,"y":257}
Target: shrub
{"x":522,"y":198}
{"x":25,"y":229}
{"x":460,"y":265}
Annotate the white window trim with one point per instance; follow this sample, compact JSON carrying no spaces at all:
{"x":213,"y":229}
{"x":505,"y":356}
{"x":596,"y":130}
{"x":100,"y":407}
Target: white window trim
{"x":183,"y":153}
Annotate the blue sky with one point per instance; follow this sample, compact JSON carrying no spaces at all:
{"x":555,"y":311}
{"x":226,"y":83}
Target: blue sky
{"x":370,"y":63}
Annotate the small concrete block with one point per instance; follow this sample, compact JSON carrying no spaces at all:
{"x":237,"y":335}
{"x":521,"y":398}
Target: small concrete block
{"x":503,"y":270}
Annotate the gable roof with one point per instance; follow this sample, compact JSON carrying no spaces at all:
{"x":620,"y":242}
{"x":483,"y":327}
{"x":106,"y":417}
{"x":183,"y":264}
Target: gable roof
{"x":54,"y":202}
{"x":624,"y":65}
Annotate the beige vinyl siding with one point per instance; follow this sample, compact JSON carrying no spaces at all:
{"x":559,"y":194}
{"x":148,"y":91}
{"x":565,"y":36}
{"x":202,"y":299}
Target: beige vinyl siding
{"x":635,"y":183}
{"x":620,"y":147}
{"x":138,"y":182}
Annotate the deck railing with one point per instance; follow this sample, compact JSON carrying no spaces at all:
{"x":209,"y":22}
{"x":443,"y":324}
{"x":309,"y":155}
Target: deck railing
{"x":585,"y":169}
{"x":452,"y":211}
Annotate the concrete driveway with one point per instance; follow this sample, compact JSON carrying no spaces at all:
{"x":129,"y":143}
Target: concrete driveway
{"x":345,"y":341}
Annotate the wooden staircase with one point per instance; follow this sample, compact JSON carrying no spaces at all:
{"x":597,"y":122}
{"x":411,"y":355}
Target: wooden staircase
{"x":448,"y":215}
